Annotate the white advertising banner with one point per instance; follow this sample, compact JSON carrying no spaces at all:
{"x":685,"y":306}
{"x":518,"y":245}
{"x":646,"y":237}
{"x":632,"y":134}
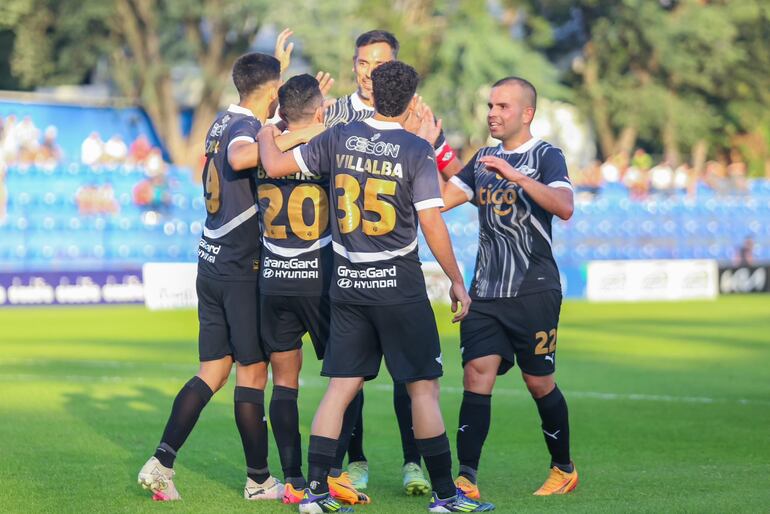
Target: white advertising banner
{"x":652,"y":280}
{"x":170,"y":285}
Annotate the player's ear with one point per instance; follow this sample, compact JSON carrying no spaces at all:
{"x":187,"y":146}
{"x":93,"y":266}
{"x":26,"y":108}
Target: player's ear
{"x":528,"y":115}
{"x":318,"y":117}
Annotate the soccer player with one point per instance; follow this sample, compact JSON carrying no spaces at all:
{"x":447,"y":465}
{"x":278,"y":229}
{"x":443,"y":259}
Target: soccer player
{"x":374,"y":48}
{"x":227,"y":287}
{"x":294,"y":287}
{"x":383,"y":179}
{"x":518,"y":187}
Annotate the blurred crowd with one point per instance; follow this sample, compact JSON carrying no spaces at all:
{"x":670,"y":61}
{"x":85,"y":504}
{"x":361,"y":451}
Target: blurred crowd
{"x":24,"y":145}
{"x":642,"y":177}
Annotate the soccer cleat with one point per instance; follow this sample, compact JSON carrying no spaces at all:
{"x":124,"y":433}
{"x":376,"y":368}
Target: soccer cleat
{"x":415,"y":483}
{"x":468,"y":488}
{"x":341,"y":489}
{"x":458,"y":503}
{"x":270,"y":489}
{"x":291,"y":495}
{"x":159,"y":479}
{"x":558,"y":482}
{"x":359,"y":474}
{"x":320,"y":503}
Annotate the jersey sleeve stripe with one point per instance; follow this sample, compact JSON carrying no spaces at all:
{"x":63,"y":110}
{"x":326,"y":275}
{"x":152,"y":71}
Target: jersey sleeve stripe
{"x":301,"y":163}
{"x":429,"y":203}
{"x":463,"y":186}
{"x":561,"y":183}
{"x":357,"y":257}
{"x":230,"y":225}
{"x":248,"y":139}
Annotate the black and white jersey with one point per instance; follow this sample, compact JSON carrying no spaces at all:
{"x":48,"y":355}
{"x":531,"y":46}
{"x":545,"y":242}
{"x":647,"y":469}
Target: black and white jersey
{"x":514,"y":256}
{"x":351,"y":108}
{"x":229,"y":247}
{"x":296,"y":237}
{"x":380,"y":176}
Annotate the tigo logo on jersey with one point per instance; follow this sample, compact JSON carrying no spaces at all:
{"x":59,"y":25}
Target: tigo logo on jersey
{"x":502,"y":200}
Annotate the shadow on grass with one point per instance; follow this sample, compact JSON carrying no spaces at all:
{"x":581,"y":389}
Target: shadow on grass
{"x":135,"y":421}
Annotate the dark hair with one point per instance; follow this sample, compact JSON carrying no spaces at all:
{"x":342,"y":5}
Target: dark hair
{"x":393,"y":86}
{"x":252,"y":71}
{"x":299,"y":97}
{"x":524,"y":83}
{"x":378,"y":36}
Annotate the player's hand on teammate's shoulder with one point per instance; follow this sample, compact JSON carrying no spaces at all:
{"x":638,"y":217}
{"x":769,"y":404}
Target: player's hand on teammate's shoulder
{"x":311,"y":131}
{"x":460,"y":301}
{"x":282,"y":50}
{"x":269,"y":130}
{"x":502,"y":168}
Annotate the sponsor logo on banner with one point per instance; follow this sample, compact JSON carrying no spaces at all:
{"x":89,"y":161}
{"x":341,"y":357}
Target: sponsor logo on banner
{"x":744,"y":279}
{"x":71,"y":287}
{"x":170,"y":285}
{"x":651,"y":280}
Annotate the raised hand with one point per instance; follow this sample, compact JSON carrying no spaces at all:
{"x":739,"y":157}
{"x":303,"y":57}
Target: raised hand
{"x":502,"y":168}
{"x":325,"y":82}
{"x":429,"y":128}
{"x":282,"y":50}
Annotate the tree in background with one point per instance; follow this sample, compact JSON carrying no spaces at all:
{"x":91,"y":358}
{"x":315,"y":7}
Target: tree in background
{"x":61,"y":41}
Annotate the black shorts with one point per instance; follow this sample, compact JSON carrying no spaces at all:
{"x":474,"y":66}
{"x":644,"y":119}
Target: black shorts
{"x":519,"y":329}
{"x":405,"y":334}
{"x":285,"y":319}
{"x":228,"y":315}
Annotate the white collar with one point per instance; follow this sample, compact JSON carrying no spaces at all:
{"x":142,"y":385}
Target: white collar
{"x":240,"y":110}
{"x":521,"y":149}
{"x":358,"y":104}
{"x":383,"y":125}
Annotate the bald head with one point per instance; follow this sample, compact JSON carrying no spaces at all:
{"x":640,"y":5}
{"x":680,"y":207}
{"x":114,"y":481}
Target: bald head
{"x":530,"y":93}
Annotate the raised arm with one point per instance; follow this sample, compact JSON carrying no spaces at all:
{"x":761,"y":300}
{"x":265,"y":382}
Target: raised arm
{"x":437,"y":237}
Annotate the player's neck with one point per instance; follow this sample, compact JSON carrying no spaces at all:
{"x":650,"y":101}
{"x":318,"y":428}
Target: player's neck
{"x":516,"y":140}
{"x":297,"y":125}
{"x":259,"y":109}
{"x":393,"y":119}
{"x":369,"y":102}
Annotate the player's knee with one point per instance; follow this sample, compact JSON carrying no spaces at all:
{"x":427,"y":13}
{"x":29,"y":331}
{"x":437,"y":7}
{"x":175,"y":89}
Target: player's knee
{"x":479,"y":378}
{"x":423,"y":390}
{"x":539,"y":386}
{"x":252,"y":375}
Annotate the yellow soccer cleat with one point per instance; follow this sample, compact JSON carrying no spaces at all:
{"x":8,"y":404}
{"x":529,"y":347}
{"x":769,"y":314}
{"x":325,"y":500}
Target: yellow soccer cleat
{"x":558,"y":482}
{"x":468,"y":488}
{"x":342,"y":489}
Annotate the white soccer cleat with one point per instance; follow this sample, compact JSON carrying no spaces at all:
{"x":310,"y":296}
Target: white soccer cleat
{"x":270,"y":489}
{"x":159,"y":479}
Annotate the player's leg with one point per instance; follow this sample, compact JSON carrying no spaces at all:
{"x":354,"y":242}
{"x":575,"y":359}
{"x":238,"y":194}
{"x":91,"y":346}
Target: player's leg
{"x":413,"y":479}
{"x":351,"y":355}
{"x":358,"y":467}
{"x":413,"y":356}
{"x":486,"y":352}
{"x":282,"y":330}
{"x":242,"y":310}
{"x":216,"y":361}
{"x":339,"y":481}
{"x":536,"y":353}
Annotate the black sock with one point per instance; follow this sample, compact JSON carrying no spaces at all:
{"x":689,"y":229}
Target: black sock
{"x":284,"y":416}
{"x":356,"y":446}
{"x":189,"y":403}
{"x":320,"y":457}
{"x":352,"y":414}
{"x":472,"y":431}
{"x":402,"y":404}
{"x":553,"y":413}
{"x":250,"y":418}
{"x":438,"y":460}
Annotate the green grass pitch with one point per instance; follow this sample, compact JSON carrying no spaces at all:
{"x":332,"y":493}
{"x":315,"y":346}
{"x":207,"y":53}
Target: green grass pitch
{"x":669,"y":410}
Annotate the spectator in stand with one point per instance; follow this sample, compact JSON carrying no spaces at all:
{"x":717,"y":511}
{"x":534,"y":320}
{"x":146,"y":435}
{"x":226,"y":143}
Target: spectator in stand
{"x":736,"y":174}
{"x":49,"y":154}
{"x":139,"y":150}
{"x":588,"y":181}
{"x":744,"y":255}
{"x":115,"y":151}
{"x":715,"y":177}
{"x":154,"y":164}
{"x":92,"y":150}
{"x":93,"y":200}
{"x":662,"y":178}
{"x":9,"y":146}
{"x":613,"y":168}
{"x":641,"y":160}
{"x":3,"y":193}
{"x":28,"y":139}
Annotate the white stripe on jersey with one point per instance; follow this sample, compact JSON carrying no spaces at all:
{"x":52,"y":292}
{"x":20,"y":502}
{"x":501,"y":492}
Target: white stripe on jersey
{"x":427,"y":204}
{"x":248,"y":139}
{"x":301,"y":163}
{"x":357,"y":257}
{"x":561,"y":183}
{"x":463,"y":186}
{"x":540,"y":229}
{"x":230,"y":225}
{"x":294,"y":252}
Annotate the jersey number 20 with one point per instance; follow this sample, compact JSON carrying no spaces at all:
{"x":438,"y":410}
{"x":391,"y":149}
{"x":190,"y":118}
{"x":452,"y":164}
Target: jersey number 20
{"x":299,"y":195}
